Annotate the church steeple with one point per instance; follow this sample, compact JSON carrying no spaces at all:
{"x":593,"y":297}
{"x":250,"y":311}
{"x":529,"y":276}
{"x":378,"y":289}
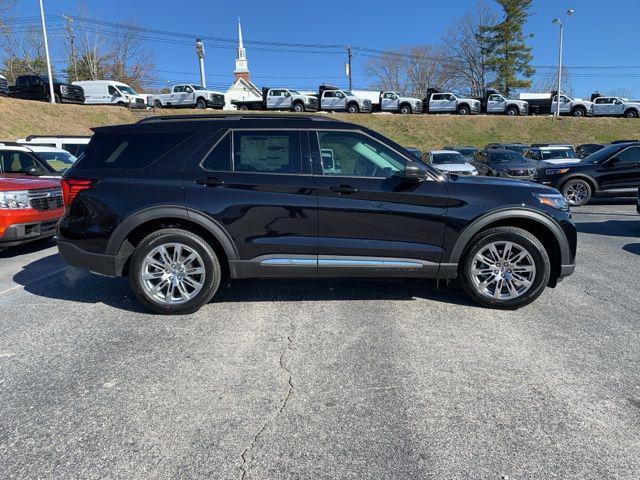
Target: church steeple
{"x":242,"y":68}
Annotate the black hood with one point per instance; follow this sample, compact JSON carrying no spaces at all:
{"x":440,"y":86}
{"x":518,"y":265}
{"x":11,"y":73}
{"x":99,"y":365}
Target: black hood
{"x":524,"y":165}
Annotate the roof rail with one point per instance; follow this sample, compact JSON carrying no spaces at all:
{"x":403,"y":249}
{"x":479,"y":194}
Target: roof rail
{"x":11,"y":144}
{"x":234,"y":116}
{"x":32,"y":137}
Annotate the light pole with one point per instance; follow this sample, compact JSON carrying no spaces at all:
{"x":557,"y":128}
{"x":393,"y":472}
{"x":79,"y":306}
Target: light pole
{"x":52,"y":95}
{"x":200,"y":52}
{"x":557,"y":21}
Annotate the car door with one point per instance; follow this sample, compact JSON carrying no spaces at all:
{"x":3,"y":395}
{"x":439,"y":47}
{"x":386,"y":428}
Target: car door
{"x":340,"y":101}
{"x":617,"y":106}
{"x":177,"y":95}
{"x":450,"y":103}
{"x":369,"y":214}
{"x":327,"y":99}
{"x":256,"y":184}
{"x":274,"y":99}
{"x":495,"y":104}
{"x":436,"y":102}
{"x":600,"y":106}
{"x":622,"y":171}
{"x":389,"y":102}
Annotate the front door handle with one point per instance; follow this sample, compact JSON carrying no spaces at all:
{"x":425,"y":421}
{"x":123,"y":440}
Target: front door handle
{"x":343,"y":189}
{"x":211,"y":182}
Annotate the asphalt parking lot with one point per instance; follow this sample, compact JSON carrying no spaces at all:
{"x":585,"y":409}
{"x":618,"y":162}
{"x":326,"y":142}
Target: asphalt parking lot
{"x":325,"y":380}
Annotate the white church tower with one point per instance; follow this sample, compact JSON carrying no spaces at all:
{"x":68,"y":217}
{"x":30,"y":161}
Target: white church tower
{"x":242,"y":88}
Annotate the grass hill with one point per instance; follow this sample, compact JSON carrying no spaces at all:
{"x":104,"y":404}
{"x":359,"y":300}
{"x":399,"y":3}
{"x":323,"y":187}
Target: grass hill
{"x":19,"y":118}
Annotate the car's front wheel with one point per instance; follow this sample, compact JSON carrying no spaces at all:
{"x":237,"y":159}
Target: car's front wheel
{"x":174,"y":271}
{"x":577,"y":192}
{"x":505,"y":267}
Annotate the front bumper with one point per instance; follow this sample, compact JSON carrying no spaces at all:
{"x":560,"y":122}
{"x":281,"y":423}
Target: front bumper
{"x":20,"y":233}
{"x":74,"y":100}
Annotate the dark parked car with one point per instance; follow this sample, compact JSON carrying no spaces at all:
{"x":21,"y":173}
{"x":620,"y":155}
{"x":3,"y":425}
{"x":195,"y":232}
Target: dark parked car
{"x":613,"y":171}
{"x":587,"y":149}
{"x":504,"y":163}
{"x":514,"y":147}
{"x":416,"y":152}
{"x":36,"y":87}
{"x":467,"y":152}
{"x":181,"y":204}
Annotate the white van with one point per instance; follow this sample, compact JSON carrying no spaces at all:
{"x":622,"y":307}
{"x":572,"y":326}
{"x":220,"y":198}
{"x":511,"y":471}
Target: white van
{"x":109,"y":92}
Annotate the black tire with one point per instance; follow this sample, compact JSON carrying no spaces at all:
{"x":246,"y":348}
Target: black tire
{"x":244,"y":108}
{"x":579,"y":112}
{"x":298,"y":107}
{"x":353,"y":108}
{"x":631,"y":113}
{"x":210,"y":260}
{"x":157,"y":104}
{"x":513,"y":111}
{"x":122,"y":104}
{"x":405,"y":109}
{"x":201,"y":104}
{"x":57,"y":98}
{"x":463,"y":110}
{"x":521,"y":238}
{"x":578,"y":192}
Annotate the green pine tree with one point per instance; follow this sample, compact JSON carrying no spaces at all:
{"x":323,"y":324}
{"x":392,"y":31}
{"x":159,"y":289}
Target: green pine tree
{"x":507,"y":52}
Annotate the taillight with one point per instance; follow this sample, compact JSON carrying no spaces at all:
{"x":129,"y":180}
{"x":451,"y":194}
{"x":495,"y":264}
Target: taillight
{"x":72,"y":187}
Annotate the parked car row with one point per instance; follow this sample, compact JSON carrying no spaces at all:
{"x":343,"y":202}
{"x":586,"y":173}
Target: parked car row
{"x":610,"y":171}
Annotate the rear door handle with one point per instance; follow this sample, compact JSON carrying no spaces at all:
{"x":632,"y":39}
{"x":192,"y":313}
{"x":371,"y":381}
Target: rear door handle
{"x":343,"y":189}
{"x":211,"y":182}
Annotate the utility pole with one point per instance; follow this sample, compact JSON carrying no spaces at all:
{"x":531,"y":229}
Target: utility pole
{"x":200,"y":53}
{"x":72,"y":36}
{"x":348,"y":67}
{"x":52,"y":94}
{"x":557,"y":21}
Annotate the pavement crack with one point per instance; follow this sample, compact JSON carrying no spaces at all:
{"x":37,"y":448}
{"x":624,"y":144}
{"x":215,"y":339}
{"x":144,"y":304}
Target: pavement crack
{"x":284,"y":366}
{"x":588,"y":292}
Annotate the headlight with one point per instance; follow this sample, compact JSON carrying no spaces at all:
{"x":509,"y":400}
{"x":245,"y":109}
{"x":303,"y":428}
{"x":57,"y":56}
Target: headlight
{"x":474,"y":172}
{"x":556,"y":171}
{"x":553,"y":200}
{"x":64,"y":89}
{"x":13,"y":200}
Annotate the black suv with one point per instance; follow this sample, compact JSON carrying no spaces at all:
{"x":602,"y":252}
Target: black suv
{"x":497,"y":162}
{"x":182,"y":203}
{"x":612,"y":171}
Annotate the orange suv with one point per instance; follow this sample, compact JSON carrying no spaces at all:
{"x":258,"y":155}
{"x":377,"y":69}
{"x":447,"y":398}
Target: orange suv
{"x":29,"y":209}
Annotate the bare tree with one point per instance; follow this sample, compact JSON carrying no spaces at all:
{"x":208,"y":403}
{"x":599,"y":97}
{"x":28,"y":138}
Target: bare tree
{"x":464,"y":43}
{"x":130,"y":61}
{"x":620,"y":92}
{"x":388,"y":71}
{"x":549,"y":82}
{"x":425,"y":69}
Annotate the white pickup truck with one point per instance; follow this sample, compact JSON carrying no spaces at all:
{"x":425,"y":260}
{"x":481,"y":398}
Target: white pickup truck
{"x":333,"y":99}
{"x":447,"y":102}
{"x":615,"y":107}
{"x":189,"y":95}
{"x":397,"y":103}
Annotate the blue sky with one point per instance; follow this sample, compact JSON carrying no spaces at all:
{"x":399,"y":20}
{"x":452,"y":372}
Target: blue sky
{"x":589,"y":41}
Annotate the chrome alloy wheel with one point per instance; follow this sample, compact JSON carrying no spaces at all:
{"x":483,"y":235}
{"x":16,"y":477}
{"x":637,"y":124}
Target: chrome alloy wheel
{"x":503,"y":270}
{"x":173,"y":273}
{"x":576,"y":193}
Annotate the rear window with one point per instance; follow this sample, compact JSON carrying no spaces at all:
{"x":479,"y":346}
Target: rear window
{"x":128,"y":151}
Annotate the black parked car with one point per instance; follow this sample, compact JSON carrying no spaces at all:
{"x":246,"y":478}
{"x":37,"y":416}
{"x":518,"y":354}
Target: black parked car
{"x":36,"y":87}
{"x":416,"y":152}
{"x":514,"y":147}
{"x":467,"y":152}
{"x":613,"y":171}
{"x":180,"y":204}
{"x":587,"y":149}
{"x":497,"y":162}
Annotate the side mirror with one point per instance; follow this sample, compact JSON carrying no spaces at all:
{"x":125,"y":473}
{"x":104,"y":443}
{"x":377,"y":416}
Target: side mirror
{"x":414,"y":170}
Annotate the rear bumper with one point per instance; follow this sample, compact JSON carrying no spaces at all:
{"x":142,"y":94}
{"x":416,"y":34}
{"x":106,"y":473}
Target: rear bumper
{"x":20,"y":233}
{"x":94,"y":262}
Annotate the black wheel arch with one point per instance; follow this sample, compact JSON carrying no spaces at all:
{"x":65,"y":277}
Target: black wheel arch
{"x":513,"y":106}
{"x":580,"y":176}
{"x":538,"y":224}
{"x":135,"y":227}
{"x":463,"y":104}
{"x":353,"y":103}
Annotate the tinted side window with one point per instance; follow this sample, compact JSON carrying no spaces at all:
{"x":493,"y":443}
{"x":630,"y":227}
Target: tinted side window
{"x":219,"y":159}
{"x":19,"y":162}
{"x":630,"y":155}
{"x":267,"y":152}
{"x":129,"y":150}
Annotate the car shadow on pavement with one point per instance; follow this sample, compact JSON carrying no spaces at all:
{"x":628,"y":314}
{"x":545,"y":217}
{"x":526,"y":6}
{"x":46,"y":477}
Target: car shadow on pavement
{"x":632,"y":248}
{"x":31,"y":247}
{"x":612,"y":228}
{"x":75,"y":285}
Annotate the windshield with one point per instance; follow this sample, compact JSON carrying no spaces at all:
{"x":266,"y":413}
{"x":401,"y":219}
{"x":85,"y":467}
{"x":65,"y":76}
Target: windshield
{"x":448,"y":158}
{"x":516,"y":148}
{"x":349,"y":93}
{"x":59,"y":161}
{"x":505,"y":157}
{"x":604,"y":153}
{"x":557,"y":153}
{"x":126,"y":89}
{"x":467,"y":152}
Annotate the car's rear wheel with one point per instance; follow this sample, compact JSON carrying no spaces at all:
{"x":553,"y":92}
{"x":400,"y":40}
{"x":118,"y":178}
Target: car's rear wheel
{"x":505,"y":267}
{"x":631,"y":113}
{"x":157,"y":104}
{"x":577,"y":192}
{"x":174,"y":271}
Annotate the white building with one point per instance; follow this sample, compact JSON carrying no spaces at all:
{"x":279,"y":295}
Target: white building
{"x":242,"y":88}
